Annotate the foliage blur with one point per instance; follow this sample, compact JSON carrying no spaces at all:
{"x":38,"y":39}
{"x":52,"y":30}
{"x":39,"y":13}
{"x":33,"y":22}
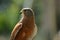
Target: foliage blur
{"x":47,"y":17}
{"x":9,"y":16}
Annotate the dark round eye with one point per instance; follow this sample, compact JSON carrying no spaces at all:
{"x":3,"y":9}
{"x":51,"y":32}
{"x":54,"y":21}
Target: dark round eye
{"x":25,"y":10}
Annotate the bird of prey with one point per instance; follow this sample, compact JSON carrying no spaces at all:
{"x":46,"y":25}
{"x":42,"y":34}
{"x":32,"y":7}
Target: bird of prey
{"x":26,"y":28}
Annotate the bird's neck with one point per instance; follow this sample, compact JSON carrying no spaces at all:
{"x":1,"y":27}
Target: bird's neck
{"x":29,"y":20}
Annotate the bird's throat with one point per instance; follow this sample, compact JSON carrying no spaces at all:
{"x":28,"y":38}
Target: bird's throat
{"x":29,"y":20}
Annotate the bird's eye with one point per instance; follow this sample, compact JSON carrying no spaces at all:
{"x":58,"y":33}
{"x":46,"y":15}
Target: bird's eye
{"x":25,"y":10}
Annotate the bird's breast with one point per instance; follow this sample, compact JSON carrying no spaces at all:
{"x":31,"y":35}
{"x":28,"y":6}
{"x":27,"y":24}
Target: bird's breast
{"x":25,"y":32}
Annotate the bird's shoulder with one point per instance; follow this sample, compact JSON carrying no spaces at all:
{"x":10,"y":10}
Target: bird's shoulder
{"x":16,"y":29}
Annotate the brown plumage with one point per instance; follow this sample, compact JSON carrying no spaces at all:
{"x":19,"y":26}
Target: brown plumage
{"x":25,"y":29}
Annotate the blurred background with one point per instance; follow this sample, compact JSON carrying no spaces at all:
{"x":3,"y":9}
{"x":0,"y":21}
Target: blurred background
{"x":47,"y":17}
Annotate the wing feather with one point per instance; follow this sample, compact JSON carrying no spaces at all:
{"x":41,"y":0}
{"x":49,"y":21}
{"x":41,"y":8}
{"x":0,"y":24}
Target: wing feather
{"x":15,"y":31}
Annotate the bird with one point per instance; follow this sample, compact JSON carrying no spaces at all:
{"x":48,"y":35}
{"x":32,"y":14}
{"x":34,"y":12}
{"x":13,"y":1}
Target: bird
{"x":26,"y":28}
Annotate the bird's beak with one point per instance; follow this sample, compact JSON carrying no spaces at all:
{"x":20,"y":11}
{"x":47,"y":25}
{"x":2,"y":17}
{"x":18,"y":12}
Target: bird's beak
{"x":20,"y":12}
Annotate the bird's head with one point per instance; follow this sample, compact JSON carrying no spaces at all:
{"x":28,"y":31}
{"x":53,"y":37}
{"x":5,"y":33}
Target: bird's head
{"x":28,"y":12}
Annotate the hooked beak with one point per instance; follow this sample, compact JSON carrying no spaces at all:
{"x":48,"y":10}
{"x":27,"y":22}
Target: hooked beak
{"x":20,"y":12}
